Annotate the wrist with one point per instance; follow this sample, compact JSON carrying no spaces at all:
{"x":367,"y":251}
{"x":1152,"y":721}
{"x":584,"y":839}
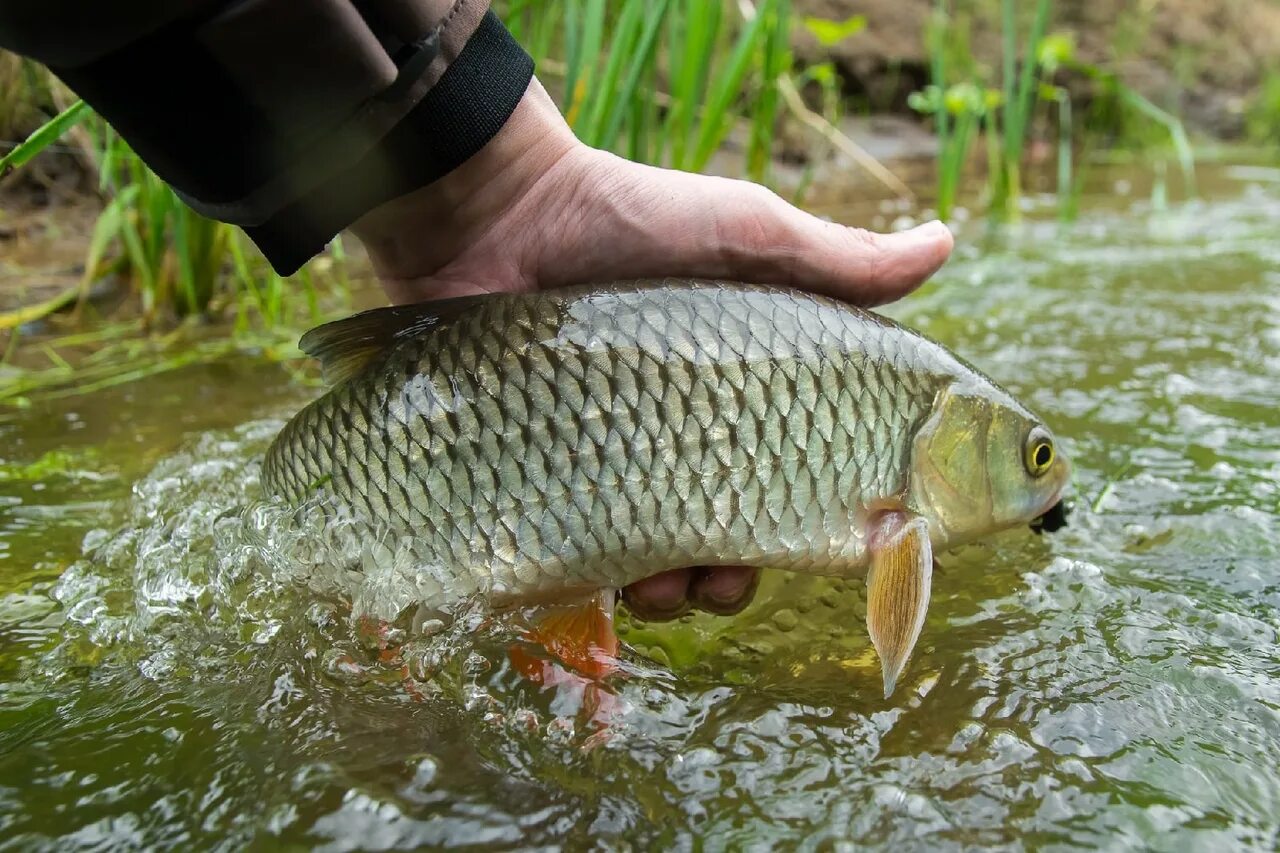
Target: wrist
{"x":416,"y":234}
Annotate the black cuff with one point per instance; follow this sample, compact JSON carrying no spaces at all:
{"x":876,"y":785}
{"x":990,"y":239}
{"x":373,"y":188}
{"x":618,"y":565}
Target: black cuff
{"x":293,"y":182}
{"x":458,"y":117}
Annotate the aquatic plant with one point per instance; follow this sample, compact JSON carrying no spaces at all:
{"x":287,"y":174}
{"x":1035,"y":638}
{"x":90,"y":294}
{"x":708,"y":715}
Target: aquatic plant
{"x":717,"y":68}
{"x":1262,"y":117}
{"x":186,"y":264}
{"x":179,"y":265}
{"x":964,"y":106}
{"x":178,"y":262}
{"x":664,"y":82}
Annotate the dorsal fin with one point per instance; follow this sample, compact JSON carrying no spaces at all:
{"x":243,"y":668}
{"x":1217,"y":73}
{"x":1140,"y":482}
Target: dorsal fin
{"x":346,"y":347}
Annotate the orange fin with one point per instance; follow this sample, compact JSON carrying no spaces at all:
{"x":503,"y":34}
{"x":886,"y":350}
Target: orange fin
{"x":584,"y":646}
{"x":580,"y":635}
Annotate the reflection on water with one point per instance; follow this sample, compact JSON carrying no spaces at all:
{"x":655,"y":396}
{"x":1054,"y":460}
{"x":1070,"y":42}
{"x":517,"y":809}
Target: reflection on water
{"x":172,"y":672}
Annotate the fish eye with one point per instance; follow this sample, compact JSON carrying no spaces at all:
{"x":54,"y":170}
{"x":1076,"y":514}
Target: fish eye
{"x":1039,"y":453}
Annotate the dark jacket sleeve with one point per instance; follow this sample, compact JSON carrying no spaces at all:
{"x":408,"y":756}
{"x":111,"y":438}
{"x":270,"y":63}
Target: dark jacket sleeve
{"x":290,"y":118}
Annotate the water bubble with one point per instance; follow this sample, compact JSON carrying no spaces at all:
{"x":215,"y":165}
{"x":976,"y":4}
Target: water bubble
{"x":477,"y":664}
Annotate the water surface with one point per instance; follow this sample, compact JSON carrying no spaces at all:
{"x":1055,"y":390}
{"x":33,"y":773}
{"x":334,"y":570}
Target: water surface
{"x":172,"y":675}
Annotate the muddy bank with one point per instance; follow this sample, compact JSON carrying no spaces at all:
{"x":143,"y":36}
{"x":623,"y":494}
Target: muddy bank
{"x":1202,"y":59}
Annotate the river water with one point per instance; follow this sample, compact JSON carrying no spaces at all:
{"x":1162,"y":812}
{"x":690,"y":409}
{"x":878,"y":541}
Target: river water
{"x":171,"y":677}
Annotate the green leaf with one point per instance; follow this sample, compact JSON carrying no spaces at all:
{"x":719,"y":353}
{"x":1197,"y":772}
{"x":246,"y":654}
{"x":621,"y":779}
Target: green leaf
{"x":830,"y":33}
{"x":44,"y":136}
{"x":109,"y":226}
{"x":824,"y":74}
{"x":697,"y":45}
{"x":965,"y":99}
{"x":928,"y":100}
{"x":728,"y":86}
{"x":582,"y":63}
{"x":643,"y":55}
{"x":1055,"y":51}
{"x":622,"y":37}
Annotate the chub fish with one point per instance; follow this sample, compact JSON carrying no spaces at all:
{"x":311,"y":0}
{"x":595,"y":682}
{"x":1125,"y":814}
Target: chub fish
{"x":556,"y":446}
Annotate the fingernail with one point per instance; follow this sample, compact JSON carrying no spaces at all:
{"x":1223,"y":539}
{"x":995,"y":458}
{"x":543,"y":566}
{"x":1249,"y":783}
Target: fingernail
{"x":925,"y":233}
{"x":932,"y":228}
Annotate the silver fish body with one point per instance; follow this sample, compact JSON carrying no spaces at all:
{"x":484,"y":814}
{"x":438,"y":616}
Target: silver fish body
{"x":529,"y":446}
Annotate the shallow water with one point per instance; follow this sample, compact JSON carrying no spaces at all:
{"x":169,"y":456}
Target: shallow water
{"x":170,"y":676}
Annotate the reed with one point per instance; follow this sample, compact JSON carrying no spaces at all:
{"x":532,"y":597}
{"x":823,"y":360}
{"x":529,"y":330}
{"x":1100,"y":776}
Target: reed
{"x":966,"y":105}
{"x":664,"y":81}
{"x":659,"y":81}
{"x":182,"y":268}
{"x":177,"y":262}
{"x":1020,"y":98}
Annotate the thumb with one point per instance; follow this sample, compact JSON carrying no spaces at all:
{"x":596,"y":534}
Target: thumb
{"x":665,"y":222}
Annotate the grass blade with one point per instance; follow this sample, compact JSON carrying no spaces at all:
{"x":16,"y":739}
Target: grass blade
{"x":717,"y":118}
{"x":44,"y":136}
{"x":697,"y":56}
{"x":1016,"y":129}
{"x":1177,"y":133}
{"x":624,"y":34}
{"x":577,"y":83}
{"x":641,"y":59}
{"x":777,"y":62}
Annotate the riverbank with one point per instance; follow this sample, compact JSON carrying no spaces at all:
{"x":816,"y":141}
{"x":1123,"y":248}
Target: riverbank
{"x":1206,"y":61}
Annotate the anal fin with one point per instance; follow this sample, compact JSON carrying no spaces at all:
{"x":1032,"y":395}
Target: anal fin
{"x":580,"y":635}
{"x":898,"y":586}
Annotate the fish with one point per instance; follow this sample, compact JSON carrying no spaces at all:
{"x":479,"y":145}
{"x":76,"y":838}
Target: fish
{"x":549,"y":448}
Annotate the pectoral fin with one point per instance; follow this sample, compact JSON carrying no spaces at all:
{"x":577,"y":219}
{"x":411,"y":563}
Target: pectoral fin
{"x":898,"y":590}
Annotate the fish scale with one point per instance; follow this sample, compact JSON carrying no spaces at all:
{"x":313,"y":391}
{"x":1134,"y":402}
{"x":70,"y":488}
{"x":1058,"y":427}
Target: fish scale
{"x":594,"y":436}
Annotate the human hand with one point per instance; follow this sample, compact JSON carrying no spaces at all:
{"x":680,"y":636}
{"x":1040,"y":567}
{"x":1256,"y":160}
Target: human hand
{"x":537,"y":209}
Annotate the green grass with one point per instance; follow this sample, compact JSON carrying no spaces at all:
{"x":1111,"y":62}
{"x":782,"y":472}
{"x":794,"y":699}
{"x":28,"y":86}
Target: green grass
{"x":183,"y":270}
{"x":1262,"y":117}
{"x":663,"y":81}
{"x":967,"y":104}
{"x":44,"y":136}
{"x":183,"y":264}
{"x":659,"y":81}
{"x":177,"y":262}
{"x":667,"y":82}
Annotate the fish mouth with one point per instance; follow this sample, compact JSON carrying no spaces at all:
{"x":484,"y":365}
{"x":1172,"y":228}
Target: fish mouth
{"x":1054,"y":515}
{"x":1052,"y":519}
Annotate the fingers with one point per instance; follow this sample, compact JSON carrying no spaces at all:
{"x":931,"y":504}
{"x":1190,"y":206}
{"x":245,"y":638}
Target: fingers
{"x":660,"y":222}
{"x":660,"y":598}
{"x":722,"y":590}
{"x":762,"y":238}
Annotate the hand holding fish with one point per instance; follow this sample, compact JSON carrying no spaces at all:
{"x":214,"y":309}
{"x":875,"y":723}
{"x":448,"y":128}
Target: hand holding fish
{"x":537,"y":209}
